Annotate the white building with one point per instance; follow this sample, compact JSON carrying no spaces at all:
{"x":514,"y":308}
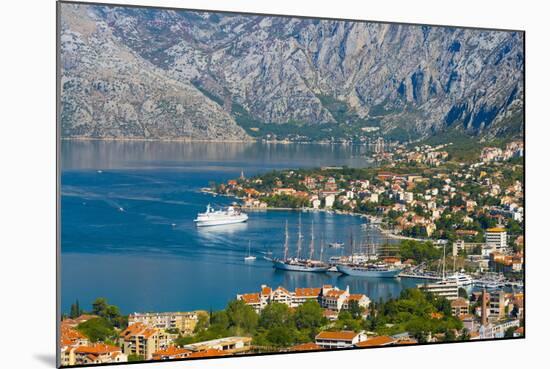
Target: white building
{"x":449,"y":290}
{"x":497,"y":238}
{"x":329,"y":201}
{"x":339,"y":339}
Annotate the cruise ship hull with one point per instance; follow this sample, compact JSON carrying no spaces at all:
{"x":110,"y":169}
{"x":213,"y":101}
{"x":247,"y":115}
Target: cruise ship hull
{"x":362,"y":272}
{"x":215,"y":222}
{"x":278,"y":264}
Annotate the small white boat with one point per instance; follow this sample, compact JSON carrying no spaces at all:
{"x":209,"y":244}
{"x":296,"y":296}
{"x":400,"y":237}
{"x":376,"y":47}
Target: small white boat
{"x":336,"y":245}
{"x":249,"y":257}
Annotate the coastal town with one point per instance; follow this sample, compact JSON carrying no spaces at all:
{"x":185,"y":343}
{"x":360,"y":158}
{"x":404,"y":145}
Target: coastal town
{"x":473,"y":207}
{"x":279,"y":320}
{"x":441,"y":213}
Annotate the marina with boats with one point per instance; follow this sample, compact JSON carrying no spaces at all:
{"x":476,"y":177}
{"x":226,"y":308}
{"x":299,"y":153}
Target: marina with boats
{"x":356,"y":259}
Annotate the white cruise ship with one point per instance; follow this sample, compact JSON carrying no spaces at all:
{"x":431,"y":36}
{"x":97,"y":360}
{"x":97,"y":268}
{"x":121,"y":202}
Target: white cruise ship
{"x":213,"y":217}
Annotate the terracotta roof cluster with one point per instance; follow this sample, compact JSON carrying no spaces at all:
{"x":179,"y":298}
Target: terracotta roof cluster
{"x":70,"y":336}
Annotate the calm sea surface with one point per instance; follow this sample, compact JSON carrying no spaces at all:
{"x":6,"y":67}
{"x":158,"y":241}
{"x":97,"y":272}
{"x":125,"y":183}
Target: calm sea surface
{"x":127,"y":231}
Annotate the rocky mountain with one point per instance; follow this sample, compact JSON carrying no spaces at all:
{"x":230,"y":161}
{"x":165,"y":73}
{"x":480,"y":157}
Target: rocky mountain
{"x":137,"y":72}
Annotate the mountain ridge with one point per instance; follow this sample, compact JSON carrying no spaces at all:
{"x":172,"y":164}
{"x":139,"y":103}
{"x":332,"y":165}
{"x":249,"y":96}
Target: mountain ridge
{"x":296,"y":77}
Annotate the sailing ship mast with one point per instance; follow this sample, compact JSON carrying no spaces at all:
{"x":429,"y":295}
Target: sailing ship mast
{"x":352,"y":246}
{"x":322,"y":249}
{"x":311,"y":244}
{"x":286,"y":241}
{"x":444,"y":262}
{"x":299,"y":244}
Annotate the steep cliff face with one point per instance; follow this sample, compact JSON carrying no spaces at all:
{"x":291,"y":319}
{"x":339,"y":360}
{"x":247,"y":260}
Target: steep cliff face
{"x":256,"y":71}
{"x":110,"y":92}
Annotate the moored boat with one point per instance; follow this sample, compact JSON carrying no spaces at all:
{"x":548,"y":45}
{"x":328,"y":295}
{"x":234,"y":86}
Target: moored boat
{"x":298,"y":264}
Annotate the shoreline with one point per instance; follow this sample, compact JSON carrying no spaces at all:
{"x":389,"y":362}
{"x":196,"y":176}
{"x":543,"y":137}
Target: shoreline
{"x":195,"y":140}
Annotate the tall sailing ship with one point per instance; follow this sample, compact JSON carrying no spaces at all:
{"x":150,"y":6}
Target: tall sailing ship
{"x":358,"y":266}
{"x":298,"y":264}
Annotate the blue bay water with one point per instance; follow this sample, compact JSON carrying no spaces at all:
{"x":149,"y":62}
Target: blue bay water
{"x":127,"y":231}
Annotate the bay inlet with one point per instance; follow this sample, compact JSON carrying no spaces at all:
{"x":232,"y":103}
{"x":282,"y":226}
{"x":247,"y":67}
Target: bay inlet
{"x":127,"y":231}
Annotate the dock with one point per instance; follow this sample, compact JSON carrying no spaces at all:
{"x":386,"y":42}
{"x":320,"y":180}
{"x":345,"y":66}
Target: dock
{"x":420,"y":276}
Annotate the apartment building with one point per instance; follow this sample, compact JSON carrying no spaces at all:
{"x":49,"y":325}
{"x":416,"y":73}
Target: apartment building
{"x":142,"y":340}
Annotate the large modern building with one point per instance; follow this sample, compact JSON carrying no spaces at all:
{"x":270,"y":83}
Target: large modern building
{"x":497,"y":238}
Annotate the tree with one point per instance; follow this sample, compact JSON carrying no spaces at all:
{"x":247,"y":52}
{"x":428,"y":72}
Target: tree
{"x":464,"y":335}
{"x":450,"y":336}
{"x":102,"y":308}
{"x":275,"y":315}
{"x":509,"y":332}
{"x":309,"y":315}
{"x":99,"y":306}
{"x":75,"y":310}
{"x":462,"y":293}
{"x":97,"y":329}
{"x":355,"y":310}
{"x":202,"y":323}
{"x":281,"y":336}
{"x":241,"y":317}
{"x":134,"y":357}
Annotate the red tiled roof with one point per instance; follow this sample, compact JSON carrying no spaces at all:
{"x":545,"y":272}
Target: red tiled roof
{"x":307,"y":291}
{"x":251,"y":298}
{"x":377,"y":341}
{"x":355,"y":296}
{"x":306,"y":347}
{"x":97,"y":349}
{"x":334,"y":293}
{"x":338,"y":335}
{"x":138,"y":329}
{"x":171,"y":351}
